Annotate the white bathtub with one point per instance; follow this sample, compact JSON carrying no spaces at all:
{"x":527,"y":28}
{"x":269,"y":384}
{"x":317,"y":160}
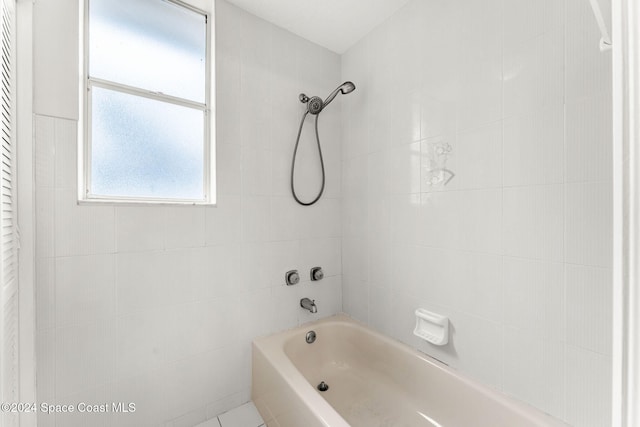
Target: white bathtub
{"x":373,"y":381}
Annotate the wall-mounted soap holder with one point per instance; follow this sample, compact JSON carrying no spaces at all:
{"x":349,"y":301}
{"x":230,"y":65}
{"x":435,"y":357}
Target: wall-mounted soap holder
{"x":432,"y":327}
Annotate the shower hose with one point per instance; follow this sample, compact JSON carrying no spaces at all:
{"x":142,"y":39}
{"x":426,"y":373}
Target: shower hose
{"x":293,"y":162}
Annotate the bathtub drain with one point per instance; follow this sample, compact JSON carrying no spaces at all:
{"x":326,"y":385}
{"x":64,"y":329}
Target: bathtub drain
{"x":310,"y":337}
{"x":323,"y":386}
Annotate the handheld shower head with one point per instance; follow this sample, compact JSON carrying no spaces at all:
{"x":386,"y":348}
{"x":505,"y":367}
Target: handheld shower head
{"x":315,"y":105}
{"x":347,"y":87}
{"x":344,"y":88}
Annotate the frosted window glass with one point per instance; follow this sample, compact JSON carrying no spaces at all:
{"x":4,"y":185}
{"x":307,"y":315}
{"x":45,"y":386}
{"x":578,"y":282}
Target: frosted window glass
{"x":150,"y":44}
{"x":145,"y":148}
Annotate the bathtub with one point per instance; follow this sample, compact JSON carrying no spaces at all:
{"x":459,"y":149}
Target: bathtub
{"x":374,"y":381}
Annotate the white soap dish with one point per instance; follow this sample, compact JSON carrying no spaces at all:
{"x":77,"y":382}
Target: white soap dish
{"x":432,"y":327}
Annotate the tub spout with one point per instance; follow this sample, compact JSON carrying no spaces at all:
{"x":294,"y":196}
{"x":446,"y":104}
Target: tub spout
{"x":308,"y":304}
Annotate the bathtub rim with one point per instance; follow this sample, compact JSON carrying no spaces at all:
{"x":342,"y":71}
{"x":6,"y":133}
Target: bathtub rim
{"x":272,"y":348}
{"x":289,"y":373}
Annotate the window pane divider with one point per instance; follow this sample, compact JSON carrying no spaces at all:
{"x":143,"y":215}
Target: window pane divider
{"x":159,"y":96}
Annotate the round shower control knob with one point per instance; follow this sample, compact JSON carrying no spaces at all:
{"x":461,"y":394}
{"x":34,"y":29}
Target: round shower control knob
{"x":292,"y":278}
{"x":317,"y":274}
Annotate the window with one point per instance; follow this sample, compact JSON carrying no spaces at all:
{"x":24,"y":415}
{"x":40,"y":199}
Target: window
{"x":148,"y":121}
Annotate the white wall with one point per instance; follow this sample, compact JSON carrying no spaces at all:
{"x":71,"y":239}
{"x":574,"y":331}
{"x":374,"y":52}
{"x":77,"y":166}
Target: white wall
{"x":158,"y":305}
{"x":517,"y":248}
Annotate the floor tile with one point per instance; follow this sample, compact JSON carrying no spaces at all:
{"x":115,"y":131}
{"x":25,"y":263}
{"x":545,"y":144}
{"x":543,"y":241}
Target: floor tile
{"x":243,"y":416}
{"x":213,"y":422}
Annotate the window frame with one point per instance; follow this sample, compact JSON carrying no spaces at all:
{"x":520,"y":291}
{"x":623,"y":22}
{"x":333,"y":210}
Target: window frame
{"x":202,"y":7}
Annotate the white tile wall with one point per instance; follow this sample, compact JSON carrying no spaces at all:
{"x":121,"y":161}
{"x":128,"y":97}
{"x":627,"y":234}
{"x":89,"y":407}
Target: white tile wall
{"x":534,"y":297}
{"x":184,"y":227}
{"x":524,"y":20}
{"x":588,"y":387}
{"x":81,"y":230}
{"x":158,"y":305}
{"x":480,"y":100}
{"x":588,"y":156}
{"x":532,"y":222}
{"x":533,"y":73}
{"x":85,"y":289}
{"x":139,"y":228}
{"x":588,"y":219}
{"x":589,"y":308}
{"x":45,"y":293}
{"x":534,"y":370}
{"x":444,"y":220}
{"x":477,"y":157}
{"x":55,"y":69}
{"x":533,"y":148}
{"x":223,"y":223}
{"x":516,"y":249}
{"x":84,"y":356}
{"x":135,"y":304}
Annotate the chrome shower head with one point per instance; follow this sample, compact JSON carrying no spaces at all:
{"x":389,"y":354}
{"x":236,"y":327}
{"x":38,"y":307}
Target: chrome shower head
{"x":344,"y":88}
{"x":347,"y":87}
{"x":315,"y":105}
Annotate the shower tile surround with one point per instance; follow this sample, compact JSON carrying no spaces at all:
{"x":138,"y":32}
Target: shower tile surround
{"x":158,"y":305}
{"x":516,"y":249}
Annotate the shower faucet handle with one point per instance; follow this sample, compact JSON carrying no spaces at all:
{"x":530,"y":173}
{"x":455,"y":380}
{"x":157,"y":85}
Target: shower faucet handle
{"x":317,"y":274}
{"x":292,"y":277}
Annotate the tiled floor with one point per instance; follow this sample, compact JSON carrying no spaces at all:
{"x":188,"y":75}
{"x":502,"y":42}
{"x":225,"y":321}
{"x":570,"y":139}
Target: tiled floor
{"x":243,"y":416}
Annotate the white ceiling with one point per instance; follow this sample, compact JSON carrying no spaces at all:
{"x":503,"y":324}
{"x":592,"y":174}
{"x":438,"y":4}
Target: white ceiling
{"x":334,"y":24}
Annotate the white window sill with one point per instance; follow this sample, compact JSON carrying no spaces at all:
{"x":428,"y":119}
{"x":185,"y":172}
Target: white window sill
{"x":150,"y":203}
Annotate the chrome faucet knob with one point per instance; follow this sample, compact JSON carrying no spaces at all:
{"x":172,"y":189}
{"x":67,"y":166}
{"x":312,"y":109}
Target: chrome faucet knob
{"x":292,"y":278}
{"x":317,"y":274}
